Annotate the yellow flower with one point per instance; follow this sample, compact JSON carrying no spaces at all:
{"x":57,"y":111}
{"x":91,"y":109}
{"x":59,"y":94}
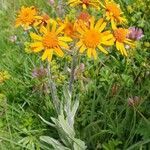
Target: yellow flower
{"x":113,"y":13}
{"x":51,"y":41}
{"x":120,"y":35}
{"x":4,"y":75}
{"x":85,"y":3}
{"x":92,"y":37}
{"x":26,"y":17}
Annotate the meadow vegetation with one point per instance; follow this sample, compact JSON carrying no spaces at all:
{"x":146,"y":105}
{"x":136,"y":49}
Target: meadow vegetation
{"x":112,"y":90}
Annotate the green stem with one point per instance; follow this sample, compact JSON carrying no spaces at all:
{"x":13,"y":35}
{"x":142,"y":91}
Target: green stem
{"x":146,"y":120}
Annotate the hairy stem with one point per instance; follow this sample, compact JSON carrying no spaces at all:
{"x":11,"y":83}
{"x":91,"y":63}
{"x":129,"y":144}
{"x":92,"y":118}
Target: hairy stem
{"x":73,"y":66}
{"x":53,"y":89}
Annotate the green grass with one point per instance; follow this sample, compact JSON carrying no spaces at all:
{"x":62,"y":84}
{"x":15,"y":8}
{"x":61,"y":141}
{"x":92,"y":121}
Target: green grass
{"x":104,"y":119}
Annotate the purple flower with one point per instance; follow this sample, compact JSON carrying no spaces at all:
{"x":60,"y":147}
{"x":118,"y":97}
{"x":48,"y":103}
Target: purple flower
{"x":135,"y":33}
{"x":39,"y":72}
{"x":51,"y":2}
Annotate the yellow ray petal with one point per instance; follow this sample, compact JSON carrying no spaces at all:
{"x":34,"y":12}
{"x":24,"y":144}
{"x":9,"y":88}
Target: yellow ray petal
{"x":35,"y":36}
{"x":59,"y":52}
{"x":92,"y":21}
{"x":54,"y":26}
{"x":60,"y":29}
{"x":84,"y":6}
{"x":65,"y":39}
{"x":102,"y":26}
{"x":43,"y":30}
{"x":99,"y":23}
{"x":39,"y":17}
{"x":107,"y":32}
{"x":46,"y":54}
{"x":107,"y":16}
{"x":82,"y":49}
{"x":89,"y":52}
{"x":74,"y":4}
{"x":50,"y":54}
{"x":63,"y":44}
{"x":108,"y":37}
{"x":94,"y":53}
{"x":108,"y":43}
{"x":38,"y":49}
{"x":113,"y":24}
{"x":123,"y":49}
{"x":119,"y":47}
{"x":95,"y":5}
{"x":80,"y":30}
{"x":72,"y":1}
{"x":79,"y":44}
{"x":37,"y":23}
{"x":131,"y":43}
{"x":36,"y":44}
{"x":83,"y":26}
{"x":102,"y":49}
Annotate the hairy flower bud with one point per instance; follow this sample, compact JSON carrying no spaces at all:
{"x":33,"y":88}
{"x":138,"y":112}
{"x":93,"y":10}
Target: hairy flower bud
{"x":134,"y":101}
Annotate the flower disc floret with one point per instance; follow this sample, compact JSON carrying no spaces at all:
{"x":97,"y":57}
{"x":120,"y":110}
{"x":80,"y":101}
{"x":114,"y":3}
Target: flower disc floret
{"x":50,"y":40}
{"x":120,"y":34}
{"x":91,"y":38}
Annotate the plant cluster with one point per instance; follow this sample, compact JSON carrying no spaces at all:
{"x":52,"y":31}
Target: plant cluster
{"x":79,"y":75}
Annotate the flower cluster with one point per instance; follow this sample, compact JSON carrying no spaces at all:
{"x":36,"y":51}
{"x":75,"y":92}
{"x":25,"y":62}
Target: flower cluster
{"x":86,"y":33}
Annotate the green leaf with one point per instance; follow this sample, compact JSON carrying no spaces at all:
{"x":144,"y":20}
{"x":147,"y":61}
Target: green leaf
{"x":79,"y":145}
{"x":55,"y":143}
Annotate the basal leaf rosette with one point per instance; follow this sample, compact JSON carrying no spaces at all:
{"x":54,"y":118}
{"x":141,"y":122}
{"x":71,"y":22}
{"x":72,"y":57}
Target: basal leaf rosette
{"x":50,"y":40}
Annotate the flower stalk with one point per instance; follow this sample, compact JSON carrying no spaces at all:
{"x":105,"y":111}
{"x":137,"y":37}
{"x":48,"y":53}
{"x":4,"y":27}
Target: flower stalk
{"x":53,"y":89}
{"x":73,"y":66}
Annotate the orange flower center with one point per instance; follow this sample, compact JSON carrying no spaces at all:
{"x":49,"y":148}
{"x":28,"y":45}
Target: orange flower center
{"x":86,"y":2}
{"x":114,"y":9}
{"x":91,"y":38}
{"x":50,"y":40}
{"x":120,"y":34}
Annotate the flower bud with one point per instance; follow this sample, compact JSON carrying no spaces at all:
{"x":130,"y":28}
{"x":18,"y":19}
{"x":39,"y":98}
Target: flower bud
{"x":134,"y":101}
